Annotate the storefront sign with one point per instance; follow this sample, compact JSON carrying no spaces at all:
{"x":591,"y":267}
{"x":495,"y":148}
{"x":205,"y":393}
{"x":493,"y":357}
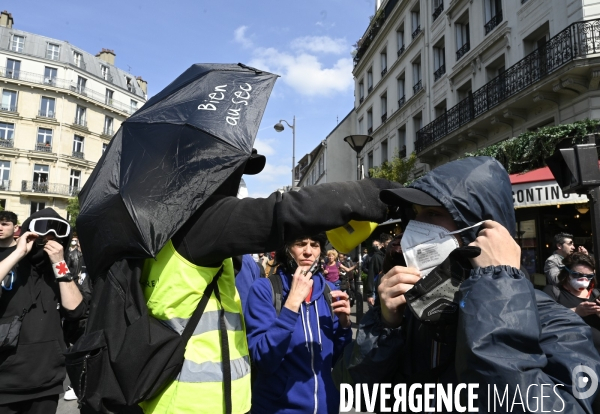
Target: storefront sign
{"x":543,"y":193}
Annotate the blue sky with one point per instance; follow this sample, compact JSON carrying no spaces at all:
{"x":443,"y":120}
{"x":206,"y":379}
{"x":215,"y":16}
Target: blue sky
{"x":307,"y":42}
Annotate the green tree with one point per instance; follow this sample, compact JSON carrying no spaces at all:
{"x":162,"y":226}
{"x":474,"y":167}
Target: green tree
{"x":398,"y":169}
{"x":73,"y":210}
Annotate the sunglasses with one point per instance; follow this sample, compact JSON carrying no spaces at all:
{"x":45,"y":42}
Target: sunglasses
{"x":43,"y":226}
{"x":577,"y":275}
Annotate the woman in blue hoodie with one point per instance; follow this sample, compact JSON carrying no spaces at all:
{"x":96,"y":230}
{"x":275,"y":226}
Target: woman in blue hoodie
{"x":293,"y":351}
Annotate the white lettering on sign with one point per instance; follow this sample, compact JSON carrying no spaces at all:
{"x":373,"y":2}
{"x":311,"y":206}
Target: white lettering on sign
{"x":543,"y":193}
{"x":215,"y":98}
{"x":241,"y":98}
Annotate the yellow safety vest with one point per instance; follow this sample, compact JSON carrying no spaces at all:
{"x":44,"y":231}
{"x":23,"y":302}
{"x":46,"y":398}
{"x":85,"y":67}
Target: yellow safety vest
{"x":173,"y":287}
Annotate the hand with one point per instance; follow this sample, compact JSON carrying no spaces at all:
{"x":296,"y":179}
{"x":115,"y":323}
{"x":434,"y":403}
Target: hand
{"x":371,"y":301}
{"x":394,"y":284}
{"x":301,"y":286}
{"x":341,"y":307}
{"x":587,"y":308}
{"x":25,"y":243}
{"x":325,"y":271}
{"x":54,"y":250}
{"x":582,"y":249}
{"x":497,"y":247}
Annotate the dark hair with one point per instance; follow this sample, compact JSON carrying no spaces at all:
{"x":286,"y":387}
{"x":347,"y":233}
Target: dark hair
{"x":8,"y":216}
{"x":282,"y":255}
{"x":560,"y":238}
{"x":385,"y":237}
{"x":573,"y":260}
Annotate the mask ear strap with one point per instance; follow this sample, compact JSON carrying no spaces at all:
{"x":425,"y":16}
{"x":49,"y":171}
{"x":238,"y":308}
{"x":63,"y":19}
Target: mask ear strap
{"x":466,"y":228}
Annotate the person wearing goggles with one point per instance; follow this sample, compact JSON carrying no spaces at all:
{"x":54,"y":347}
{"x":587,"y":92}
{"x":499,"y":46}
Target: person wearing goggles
{"x":39,"y":289}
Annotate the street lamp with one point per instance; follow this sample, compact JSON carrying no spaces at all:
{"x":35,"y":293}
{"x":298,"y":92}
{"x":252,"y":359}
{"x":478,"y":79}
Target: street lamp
{"x":279,"y":127}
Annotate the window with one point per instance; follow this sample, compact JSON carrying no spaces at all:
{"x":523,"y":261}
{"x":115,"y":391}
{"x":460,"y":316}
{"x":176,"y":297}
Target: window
{"x":104,"y":146}
{"x":78,"y":146}
{"x":74,"y":181}
{"x":369,"y":121}
{"x":81,"y":82}
{"x":416,"y":23}
{"x":47,"y":107}
{"x":13,"y":67}
{"x":9,"y":101}
{"x":50,"y":75}
{"x":108,"y":125}
{"x":360,"y":126}
{"x":40,"y":173}
{"x":402,"y":142}
{"x":361,"y":91}
{"x":7,"y":131}
{"x":52,"y":51}
{"x":417,"y":84}
{"x":321,"y":165}
{"x":17,"y":43}
{"x":44,"y":140}
{"x":493,"y":14}
{"x":400,"y":40}
{"x":3,"y":203}
{"x":77,"y":59}
{"x":104,"y":71}
{"x":462,"y":39}
{"x":438,"y":8}
{"x":439,"y":61}
{"x":108,"y":97}
{"x":36,"y":206}
{"x":134,"y":105}
{"x":80,"y":113}
{"x":369,"y":80}
{"x":383,"y":56}
{"x":384,"y":151}
{"x":401,"y":92}
{"x":130,"y":86}
{"x":369,"y":162}
{"x":4,"y":175}
{"x":383,"y":101}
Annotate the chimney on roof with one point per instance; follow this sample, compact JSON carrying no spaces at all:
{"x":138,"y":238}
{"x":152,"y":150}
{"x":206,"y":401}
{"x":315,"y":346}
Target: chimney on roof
{"x":6,"y":19}
{"x":143,"y":84}
{"x":107,"y":55}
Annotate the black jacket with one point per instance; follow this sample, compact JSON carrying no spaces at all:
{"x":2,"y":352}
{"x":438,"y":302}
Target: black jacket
{"x":504,"y":332}
{"x":375,"y":266}
{"x":37,"y":367}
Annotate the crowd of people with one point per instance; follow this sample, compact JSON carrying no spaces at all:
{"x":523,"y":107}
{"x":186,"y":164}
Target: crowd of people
{"x":448,"y":303}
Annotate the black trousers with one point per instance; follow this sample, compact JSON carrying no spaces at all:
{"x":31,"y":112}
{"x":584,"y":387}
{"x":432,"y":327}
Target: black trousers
{"x":42,"y":405}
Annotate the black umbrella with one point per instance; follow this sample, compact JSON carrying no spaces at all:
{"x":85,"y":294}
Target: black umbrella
{"x":168,"y":158}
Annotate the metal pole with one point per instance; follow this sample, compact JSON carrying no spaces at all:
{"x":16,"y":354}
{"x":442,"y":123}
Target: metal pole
{"x":294,"y":152}
{"x":358,"y":283}
{"x":595,"y":210}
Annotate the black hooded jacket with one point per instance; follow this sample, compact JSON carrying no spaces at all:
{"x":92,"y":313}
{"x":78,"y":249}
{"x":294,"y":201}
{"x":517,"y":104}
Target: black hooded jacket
{"x":37,"y":367}
{"x":504,"y":333}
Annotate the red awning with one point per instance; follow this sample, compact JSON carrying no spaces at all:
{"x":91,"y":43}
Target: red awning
{"x":541,"y":174}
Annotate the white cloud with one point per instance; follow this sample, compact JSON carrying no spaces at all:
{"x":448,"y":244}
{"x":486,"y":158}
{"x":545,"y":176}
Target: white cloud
{"x":321,"y":44}
{"x":264,"y":146}
{"x":273,"y":173}
{"x":240,"y":37}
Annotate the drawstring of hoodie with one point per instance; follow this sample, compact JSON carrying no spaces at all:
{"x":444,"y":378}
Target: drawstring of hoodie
{"x":319,"y":326}
{"x":304,"y":325}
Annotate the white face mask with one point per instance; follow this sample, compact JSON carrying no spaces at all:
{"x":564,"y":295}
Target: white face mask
{"x":425,"y":245}
{"x":579,"y":284}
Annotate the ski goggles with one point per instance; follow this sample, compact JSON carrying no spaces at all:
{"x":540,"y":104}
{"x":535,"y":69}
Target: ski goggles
{"x":577,"y":275}
{"x":43,"y":226}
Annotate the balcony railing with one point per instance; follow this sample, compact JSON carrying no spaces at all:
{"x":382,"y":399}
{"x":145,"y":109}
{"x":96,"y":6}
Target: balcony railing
{"x":80,"y":121}
{"x":46,"y":113}
{"x":383,"y":72}
{"x":109,"y":131}
{"x":376,"y":24}
{"x":417,"y":86}
{"x":49,"y":188}
{"x":43,"y":147}
{"x":5,"y":185}
{"x":401,"y":50}
{"x":438,"y":10}
{"x":463,"y":50}
{"x":370,"y":130}
{"x":401,"y":102}
{"x":416,"y":32}
{"x":494,"y":21}
{"x":384,"y":117}
{"x":361,"y":100}
{"x":370,"y":89}
{"x":66,"y":85}
{"x":7,"y":143}
{"x":8,"y":108}
{"x":402,"y":152}
{"x":578,"y":40}
{"x":78,"y":154}
{"x":439,"y":72}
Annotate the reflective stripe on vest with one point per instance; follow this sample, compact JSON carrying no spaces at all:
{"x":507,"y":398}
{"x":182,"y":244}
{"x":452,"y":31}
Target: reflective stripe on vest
{"x":208,"y":322}
{"x":213,"y":371}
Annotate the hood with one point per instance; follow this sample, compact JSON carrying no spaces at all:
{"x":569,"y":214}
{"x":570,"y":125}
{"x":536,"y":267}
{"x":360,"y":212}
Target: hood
{"x":472,"y":189}
{"x":49,"y":213}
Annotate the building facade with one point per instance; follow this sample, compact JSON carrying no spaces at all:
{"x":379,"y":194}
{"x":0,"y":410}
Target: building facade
{"x":60,"y":108}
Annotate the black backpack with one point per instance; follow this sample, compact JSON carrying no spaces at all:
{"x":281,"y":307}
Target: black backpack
{"x":126,"y":356}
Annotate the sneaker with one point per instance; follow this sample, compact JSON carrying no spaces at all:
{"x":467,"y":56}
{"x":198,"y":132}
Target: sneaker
{"x":70,"y":395}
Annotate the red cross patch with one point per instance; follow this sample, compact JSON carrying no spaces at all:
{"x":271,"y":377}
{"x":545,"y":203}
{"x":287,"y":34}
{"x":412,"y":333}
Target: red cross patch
{"x":62,"y":268}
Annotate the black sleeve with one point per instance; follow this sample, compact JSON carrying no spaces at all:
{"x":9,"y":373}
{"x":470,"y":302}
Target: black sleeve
{"x":226,"y":226}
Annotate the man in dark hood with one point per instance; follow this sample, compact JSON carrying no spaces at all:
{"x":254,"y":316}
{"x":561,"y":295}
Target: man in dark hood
{"x":461,"y":311}
{"x":38,"y":290}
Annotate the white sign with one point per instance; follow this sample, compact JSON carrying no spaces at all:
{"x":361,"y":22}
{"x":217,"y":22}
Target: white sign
{"x":543,"y":193}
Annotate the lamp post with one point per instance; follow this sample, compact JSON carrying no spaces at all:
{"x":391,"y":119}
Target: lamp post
{"x":357,"y":143}
{"x":279,"y":127}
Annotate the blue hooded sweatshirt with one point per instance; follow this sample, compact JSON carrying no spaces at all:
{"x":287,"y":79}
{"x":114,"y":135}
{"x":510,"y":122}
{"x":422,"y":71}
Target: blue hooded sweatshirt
{"x":293,"y":353}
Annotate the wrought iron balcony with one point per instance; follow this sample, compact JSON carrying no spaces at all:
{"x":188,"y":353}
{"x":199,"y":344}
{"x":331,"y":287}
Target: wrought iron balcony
{"x":8,"y":108}
{"x":439,"y":72}
{"x":376,"y":24}
{"x":80,"y":121}
{"x":494,"y":21}
{"x":13,"y":74}
{"x":439,"y":9}
{"x":43,"y":147}
{"x":463,"y":50}
{"x":46,"y":113}
{"x":416,"y":32}
{"x":578,"y":40}
{"x":383,"y":72}
{"x":401,"y":102}
{"x":370,"y":89}
{"x":78,"y":154}
{"x":384,"y":117}
{"x":49,"y":188}
{"x":5,"y":185}
{"x":417,"y":86}
{"x":402,"y":152}
{"x":370,"y":130}
{"x":7,"y":143}
{"x":401,"y":50}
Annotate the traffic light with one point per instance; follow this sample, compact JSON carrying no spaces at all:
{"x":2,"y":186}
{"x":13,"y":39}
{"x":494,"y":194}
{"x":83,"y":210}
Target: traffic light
{"x":575,"y":168}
